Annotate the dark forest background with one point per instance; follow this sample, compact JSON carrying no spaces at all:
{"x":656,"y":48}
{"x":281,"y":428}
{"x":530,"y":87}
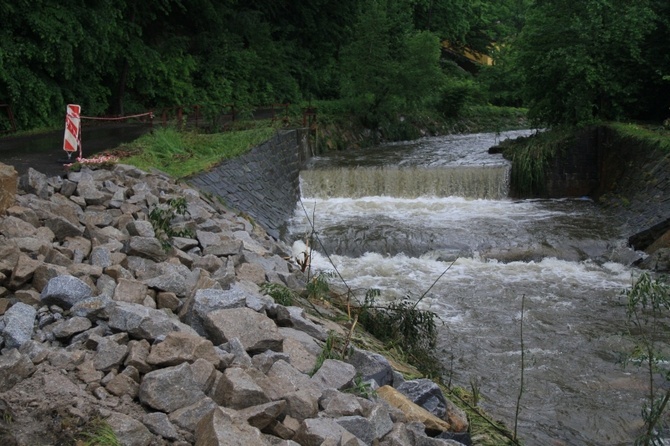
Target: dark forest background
{"x":567,"y":62}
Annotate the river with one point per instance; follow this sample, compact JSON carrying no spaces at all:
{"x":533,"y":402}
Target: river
{"x":395,"y":217}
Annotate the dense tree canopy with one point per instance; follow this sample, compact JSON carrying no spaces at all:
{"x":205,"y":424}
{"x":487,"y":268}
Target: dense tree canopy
{"x":569,"y":62}
{"x":582,"y":60}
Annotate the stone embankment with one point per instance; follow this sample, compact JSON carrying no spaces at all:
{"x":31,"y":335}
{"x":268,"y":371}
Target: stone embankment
{"x":98,"y":321}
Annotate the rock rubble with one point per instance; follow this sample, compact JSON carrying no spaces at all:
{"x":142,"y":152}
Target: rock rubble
{"x":99,"y":321}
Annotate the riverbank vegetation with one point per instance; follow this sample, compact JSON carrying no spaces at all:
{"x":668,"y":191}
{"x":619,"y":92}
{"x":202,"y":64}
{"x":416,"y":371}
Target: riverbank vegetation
{"x":180,"y":154}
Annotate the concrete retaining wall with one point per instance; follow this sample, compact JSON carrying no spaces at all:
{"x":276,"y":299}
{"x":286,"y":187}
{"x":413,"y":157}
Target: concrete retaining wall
{"x":629,"y":177}
{"x":263,"y":183}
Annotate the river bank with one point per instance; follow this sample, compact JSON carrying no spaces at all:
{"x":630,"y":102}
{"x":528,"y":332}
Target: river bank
{"x":99,"y":320}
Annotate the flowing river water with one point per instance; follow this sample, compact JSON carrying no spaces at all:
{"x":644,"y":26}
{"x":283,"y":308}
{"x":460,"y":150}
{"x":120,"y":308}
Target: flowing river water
{"x":397,"y":216}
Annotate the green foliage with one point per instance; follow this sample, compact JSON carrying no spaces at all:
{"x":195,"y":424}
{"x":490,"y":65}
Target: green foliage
{"x":603,"y":59}
{"x":280,"y":293}
{"x":329,"y":351}
{"x":531,"y":160}
{"x":318,"y":286}
{"x":581,"y":60}
{"x":362,"y":389}
{"x":161,"y":218}
{"x":99,"y":433}
{"x":647,"y":311}
{"x":389,"y":68}
{"x":180,"y":154}
{"x":455,"y":95}
{"x":400,"y":324}
{"x":654,"y":136}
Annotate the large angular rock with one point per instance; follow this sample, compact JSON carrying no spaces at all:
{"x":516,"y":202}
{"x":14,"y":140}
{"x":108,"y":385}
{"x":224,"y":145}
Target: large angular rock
{"x":19,"y":325}
{"x":262,"y":415}
{"x":170,"y":388}
{"x":316,"y":431}
{"x":335,"y":404}
{"x":143,"y":322}
{"x":238,"y":390}
{"x":334,"y":374}
{"x":65,"y":291}
{"x":147,"y":247}
{"x":34,"y":182}
{"x":181,"y":347}
{"x":15,"y":227}
{"x":256,"y":331}
{"x":189,"y":416}
{"x":359,"y":426}
{"x":283,"y":379}
{"x":302,"y":404}
{"x":109,"y":354}
{"x":23,"y":271}
{"x":412,"y":411}
{"x":428,"y":395}
{"x":208,"y":300}
{"x":8,"y":186}
{"x":132,"y":291}
{"x":219,"y":428}
{"x":14,"y":368}
{"x":63,"y":228}
{"x":92,"y":308}
{"x":372,"y":365}
{"x":66,"y":328}
{"x":159,"y":424}
{"x":295,"y":317}
{"x":128,"y":430}
{"x":176,"y":279}
{"x":380,"y":419}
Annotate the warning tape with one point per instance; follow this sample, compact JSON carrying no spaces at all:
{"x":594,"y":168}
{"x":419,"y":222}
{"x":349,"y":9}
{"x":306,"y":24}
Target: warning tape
{"x":118,"y":118}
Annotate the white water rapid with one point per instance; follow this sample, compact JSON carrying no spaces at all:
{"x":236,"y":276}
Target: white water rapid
{"x":395,"y":217}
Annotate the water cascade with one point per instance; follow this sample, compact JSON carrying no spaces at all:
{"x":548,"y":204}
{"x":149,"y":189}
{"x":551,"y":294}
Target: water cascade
{"x":396,"y":216}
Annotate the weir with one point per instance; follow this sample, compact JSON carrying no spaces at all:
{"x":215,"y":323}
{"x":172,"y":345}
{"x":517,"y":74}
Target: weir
{"x":474,"y":182}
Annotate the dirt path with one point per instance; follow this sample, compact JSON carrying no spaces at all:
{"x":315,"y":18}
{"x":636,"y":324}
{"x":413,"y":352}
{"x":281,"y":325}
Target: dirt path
{"x":44,"y":152}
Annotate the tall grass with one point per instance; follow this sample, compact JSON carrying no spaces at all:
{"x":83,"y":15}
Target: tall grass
{"x":655,"y":136}
{"x":532,"y":158}
{"x":181,"y":154}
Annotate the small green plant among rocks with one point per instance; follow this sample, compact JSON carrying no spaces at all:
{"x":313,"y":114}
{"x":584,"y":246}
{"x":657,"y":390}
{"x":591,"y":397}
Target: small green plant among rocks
{"x":647,"y":311}
{"x":329,"y":351}
{"x":280,"y":293}
{"x":401,"y":324}
{"x":362,"y":388}
{"x":98,"y":433}
{"x":161,"y":218}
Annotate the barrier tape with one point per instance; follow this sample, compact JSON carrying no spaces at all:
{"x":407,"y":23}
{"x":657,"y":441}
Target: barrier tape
{"x":118,"y":118}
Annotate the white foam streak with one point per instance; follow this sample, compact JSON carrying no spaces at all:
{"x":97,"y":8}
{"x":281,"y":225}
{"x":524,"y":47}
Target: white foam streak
{"x":426,"y":211}
{"x":401,"y":275}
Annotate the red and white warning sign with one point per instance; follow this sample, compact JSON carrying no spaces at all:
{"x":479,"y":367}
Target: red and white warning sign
{"x":71,"y":140}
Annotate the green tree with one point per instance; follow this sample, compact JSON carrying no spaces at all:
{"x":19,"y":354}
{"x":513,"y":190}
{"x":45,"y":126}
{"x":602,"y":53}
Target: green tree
{"x":389,"y":68}
{"x":654,"y":99}
{"x":580,"y":60}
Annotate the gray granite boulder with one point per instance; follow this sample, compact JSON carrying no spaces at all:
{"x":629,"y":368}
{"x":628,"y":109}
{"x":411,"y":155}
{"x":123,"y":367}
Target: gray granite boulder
{"x":371,"y":365}
{"x":256,"y":331}
{"x":170,"y":388}
{"x":143,"y":322}
{"x":65,"y":291}
{"x":19,"y":325}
